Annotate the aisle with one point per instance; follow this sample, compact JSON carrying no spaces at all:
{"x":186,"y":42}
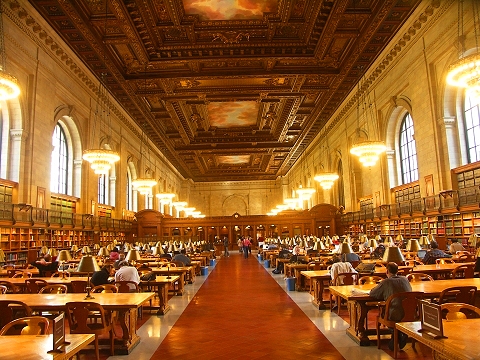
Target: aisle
{"x":240,"y":312}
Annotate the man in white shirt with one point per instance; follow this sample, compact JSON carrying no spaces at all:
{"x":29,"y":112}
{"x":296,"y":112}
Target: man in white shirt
{"x":127,"y":273}
{"x":455,"y":246}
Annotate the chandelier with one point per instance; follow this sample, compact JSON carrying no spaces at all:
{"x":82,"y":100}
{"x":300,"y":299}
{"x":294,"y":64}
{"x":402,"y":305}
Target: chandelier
{"x":144,"y":184}
{"x":305,"y":193}
{"x":8,"y":84}
{"x":326,"y":179}
{"x":101,"y":159}
{"x":368,"y":151}
{"x":465,"y":72}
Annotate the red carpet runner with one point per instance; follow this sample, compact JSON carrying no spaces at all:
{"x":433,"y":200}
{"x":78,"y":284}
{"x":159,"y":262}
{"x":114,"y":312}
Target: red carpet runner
{"x":240,"y":312}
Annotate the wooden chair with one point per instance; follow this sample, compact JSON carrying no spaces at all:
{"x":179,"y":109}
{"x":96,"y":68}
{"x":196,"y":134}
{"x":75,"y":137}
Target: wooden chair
{"x":459,"y":311}
{"x":54,"y":289}
{"x":412,"y":263}
{"x":466,"y":258}
{"x":410,"y":305}
{"x":80,"y":322}
{"x":35,"y":285}
{"x":11,"y":310}
{"x":60,"y":274}
{"x":3,"y":289}
{"x":348,"y":278}
{"x":31,"y":325}
{"x":177,"y":263}
{"x":463,"y":272}
{"x":22,"y":274}
{"x":11,"y":288}
{"x":458,"y":294}
{"x":79,"y":286}
{"x":127,"y":286}
{"x":416,"y":277}
{"x":404,"y":272}
{"x":106,"y":288}
{"x":369,"y":280}
{"x":444,"y":261}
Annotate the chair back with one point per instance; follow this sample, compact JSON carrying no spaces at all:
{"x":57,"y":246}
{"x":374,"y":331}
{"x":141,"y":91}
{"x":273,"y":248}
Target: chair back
{"x":3,"y":289}
{"x":54,"y":289}
{"x":463,"y":272}
{"x":347,"y":278}
{"x":31,"y":325}
{"x":11,"y":310}
{"x":106,"y":288}
{"x":11,"y":288}
{"x":459,"y":311}
{"x":79,"y":286}
{"x":369,"y":280}
{"x":458,"y":294}
{"x":178,"y":263}
{"x":60,"y":274}
{"x":127,"y":286}
{"x":404,"y":271}
{"x":407,"y":301}
{"x":79,"y":317}
{"x":22,"y":274}
{"x":35,"y":285}
{"x":416,"y":277}
{"x":466,"y":258}
{"x":314,"y":265}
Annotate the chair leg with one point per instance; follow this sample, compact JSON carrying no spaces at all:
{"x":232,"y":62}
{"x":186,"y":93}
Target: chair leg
{"x":395,"y":342}
{"x":97,"y":352}
{"x":378,"y":334}
{"x":112,"y":341}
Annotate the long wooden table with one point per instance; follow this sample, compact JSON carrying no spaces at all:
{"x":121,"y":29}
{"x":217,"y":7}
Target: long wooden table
{"x":162,"y":284}
{"x":185,"y":273}
{"x":437,"y":270}
{"x":36,"y":347}
{"x":459,"y":343}
{"x":126,"y":304}
{"x":357,"y":297}
{"x":319,"y":278}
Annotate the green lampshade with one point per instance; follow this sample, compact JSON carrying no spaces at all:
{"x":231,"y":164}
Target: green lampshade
{"x":157,"y":250}
{"x":86,"y":250}
{"x":53,"y":252}
{"x":103,"y":251}
{"x":393,"y":254}
{"x":413,"y":245}
{"x":74,"y":248}
{"x":346,"y":248}
{"x":372,"y":243}
{"x":133,"y":255}
{"x":64,"y":255}
{"x":88,"y":264}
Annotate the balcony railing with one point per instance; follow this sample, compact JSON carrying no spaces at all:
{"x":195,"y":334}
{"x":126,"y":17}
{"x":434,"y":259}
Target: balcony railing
{"x":443,"y":202}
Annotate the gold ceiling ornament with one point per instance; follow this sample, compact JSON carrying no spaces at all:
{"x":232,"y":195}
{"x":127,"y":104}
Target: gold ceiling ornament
{"x":465,"y":72}
{"x":9,"y":88}
{"x":367,"y":150}
{"x":144,"y":184}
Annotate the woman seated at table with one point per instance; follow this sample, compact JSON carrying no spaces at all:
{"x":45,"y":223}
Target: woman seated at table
{"x":102,"y":276}
{"x":114,"y":254}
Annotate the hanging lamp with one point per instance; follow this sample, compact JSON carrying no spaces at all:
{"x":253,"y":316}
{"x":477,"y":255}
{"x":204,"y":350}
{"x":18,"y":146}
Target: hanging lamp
{"x":324,"y":177}
{"x":144,"y":184}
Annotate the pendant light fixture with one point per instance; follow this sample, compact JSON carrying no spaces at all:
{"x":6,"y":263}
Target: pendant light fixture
{"x":325,"y":177}
{"x":144,"y":184}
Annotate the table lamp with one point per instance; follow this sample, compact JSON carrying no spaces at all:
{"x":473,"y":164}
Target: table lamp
{"x":413,"y":245}
{"x":372,"y":244}
{"x":74,"y":250}
{"x":53,"y":252}
{"x":103,"y":252}
{"x":133,"y":255}
{"x":393,"y":254}
{"x":96,"y":246}
{"x":345,"y":248}
{"x":44,"y":250}
{"x":89,"y":265}
{"x":62,"y":257}
{"x":86,"y":250}
{"x":424,"y":241}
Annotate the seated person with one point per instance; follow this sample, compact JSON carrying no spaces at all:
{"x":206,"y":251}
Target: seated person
{"x":117,"y":262}
{"x":455,"y":246}
{"x":102,"y":276}
{"x":114,"y":254}
{"x":183,"y":258}
{"x":127,"y":273}
{"x":45,"y":265}
{"x":339,"y":267}
{"x":351,"y":257}
{"x":393,"y":284}
{"x":379,"y":251}
{"x":434,"y":254}
{"x":283,"y":254}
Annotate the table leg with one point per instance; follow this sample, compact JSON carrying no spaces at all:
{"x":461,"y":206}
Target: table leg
{"x":128,"y":323}
{"x":358,"y":313}
{"x":318,"y":287}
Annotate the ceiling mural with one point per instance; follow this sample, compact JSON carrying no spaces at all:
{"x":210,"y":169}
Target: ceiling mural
{"x":232,"y":114}
{"x":229,"y":9}
{"x":219,"y":83}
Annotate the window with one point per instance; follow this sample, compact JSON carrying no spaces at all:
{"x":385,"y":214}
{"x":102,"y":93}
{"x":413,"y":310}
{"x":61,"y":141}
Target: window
{"x":408,"y":151}
{"x":341,"y":191}
{"x":102,"y":189}
{"x":472,"y":129}
{"x":129,"y":192}
{"x":59,"y":168}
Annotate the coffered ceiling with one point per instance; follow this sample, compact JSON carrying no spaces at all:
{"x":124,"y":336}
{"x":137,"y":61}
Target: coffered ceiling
{"x":228,"y":89}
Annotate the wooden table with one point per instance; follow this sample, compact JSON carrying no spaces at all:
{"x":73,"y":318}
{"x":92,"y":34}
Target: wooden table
{"x":36,"y":347}
{"x":162,"y":284}
{"x":319,"y":278}
{"x":4,"y":273}
{"x":437,"y":270}
{"x":126,"y":304}
{"x":458,"y":344}
{"x":184,"y":273}
{"x":357,"y":298}
{"x":294,"y":270}
{"x":20,"y":282}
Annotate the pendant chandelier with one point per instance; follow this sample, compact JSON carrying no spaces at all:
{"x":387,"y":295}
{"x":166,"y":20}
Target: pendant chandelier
{"x":305,"y":193}
{"x":8,"y":84}
{"x":144,"y":184}
{"x":465,"y":72}
{"x":367,"y":150}
{"x":102,"y":159}
{"x":324,"y":177}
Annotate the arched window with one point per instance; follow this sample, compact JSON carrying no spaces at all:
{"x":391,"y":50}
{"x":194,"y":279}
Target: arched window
{"x":472,"y":129}
{"x":102,"y":189}
{"x":59,"y":162}
{"x":340,"y":185}
{"x":129,"y":198}
{"x":408,"y":151}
